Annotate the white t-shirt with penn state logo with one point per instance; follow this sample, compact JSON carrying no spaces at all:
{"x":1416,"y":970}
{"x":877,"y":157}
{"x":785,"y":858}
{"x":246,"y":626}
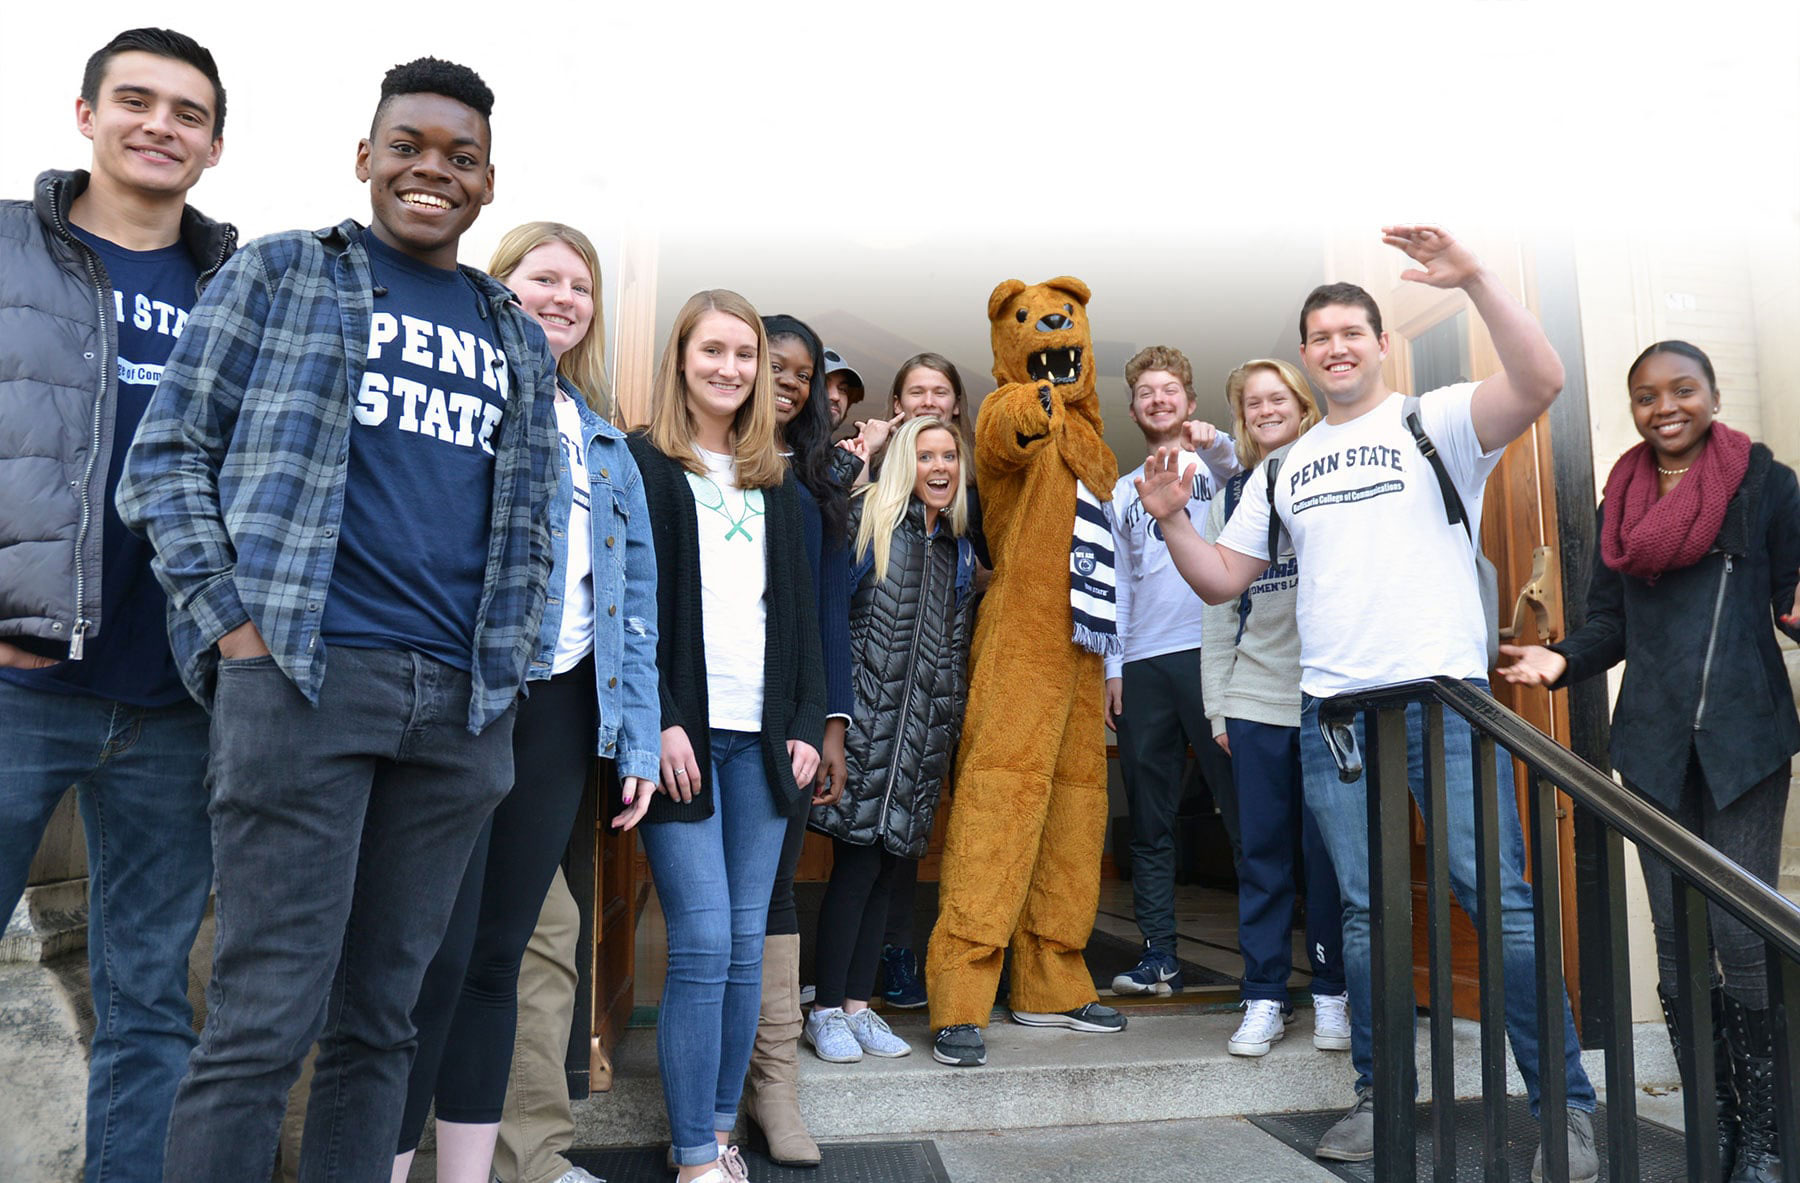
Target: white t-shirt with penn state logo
{"x":1388,"y":587}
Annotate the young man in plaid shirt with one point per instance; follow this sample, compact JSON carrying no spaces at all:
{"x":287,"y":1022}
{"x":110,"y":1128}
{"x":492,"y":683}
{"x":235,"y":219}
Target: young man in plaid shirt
{"x":343,"y":474}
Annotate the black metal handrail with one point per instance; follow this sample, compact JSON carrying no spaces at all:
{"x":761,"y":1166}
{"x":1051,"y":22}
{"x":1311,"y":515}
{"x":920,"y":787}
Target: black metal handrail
{"x":1702,"y":873}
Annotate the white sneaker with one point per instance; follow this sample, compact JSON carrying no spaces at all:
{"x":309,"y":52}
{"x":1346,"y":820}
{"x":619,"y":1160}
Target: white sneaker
{"x":1263,"y":1025}
{"x":1331,"y":1022}
{"x":875,"y":1036}
{"x":577,"y":1175}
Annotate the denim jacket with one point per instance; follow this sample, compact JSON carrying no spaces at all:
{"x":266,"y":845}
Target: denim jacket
{"x":237,"y":473}
{"x":624,"y":559}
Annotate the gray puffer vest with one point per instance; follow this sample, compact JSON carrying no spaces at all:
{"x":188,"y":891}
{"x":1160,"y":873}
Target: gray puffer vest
{"x":58,"y":399}
{"x":909,"y":650}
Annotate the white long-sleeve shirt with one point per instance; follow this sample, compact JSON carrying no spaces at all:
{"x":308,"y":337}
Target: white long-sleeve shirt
{"x":1158,"y":612}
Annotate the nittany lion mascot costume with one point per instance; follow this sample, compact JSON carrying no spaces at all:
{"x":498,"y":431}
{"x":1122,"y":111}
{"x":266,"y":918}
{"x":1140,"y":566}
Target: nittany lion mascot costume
{"x":1021,"y":859}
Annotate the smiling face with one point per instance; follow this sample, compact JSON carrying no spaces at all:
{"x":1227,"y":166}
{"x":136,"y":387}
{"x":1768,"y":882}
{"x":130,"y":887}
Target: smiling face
{"x":939,"y":470}
{"x":791,"y":365}
{"x":553,"y":285}
{"x":151,"y":124}
{"x":1159,"y":405}
{"x":718,"y":369}
{"x":426,"y":162}
{"x":1672,"y":405}
{"x":1343,"y":354}
{"x":1271,"y":412}
{"x":925,"y":391}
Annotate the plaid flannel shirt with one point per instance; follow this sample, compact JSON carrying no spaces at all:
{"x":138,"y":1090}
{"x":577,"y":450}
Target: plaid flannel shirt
{"x":237,"y":473}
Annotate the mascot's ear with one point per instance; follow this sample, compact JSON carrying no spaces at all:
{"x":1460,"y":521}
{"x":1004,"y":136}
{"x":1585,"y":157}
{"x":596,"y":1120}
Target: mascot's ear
{"x":1003,"y":293}
{"x":1069,"y":284}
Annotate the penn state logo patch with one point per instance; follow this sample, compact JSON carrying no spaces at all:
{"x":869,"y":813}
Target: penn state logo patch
{"x":1083,"y":559}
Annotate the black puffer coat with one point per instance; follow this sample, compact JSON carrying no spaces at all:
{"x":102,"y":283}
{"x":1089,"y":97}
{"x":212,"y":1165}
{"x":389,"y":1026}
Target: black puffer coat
{"x":909,"y":648}
{"x":1703,"y":673}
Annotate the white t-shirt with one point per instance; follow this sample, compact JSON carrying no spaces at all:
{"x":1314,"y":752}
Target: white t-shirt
{"x":1158,"y":612}
{"x":577,"y":637}
{"x":1388,"y":589}
{"x":733,"y":579}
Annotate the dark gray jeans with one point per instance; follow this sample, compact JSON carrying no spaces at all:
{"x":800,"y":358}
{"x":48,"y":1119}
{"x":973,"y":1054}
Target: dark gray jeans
{"x":340,"y":834}
{"x":1748,"y":832}
{"x":1163,"y":715}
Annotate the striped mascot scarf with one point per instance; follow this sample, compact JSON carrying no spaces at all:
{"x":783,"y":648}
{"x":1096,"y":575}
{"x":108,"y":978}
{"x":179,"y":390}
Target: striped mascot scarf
{"x":1091,"y":582}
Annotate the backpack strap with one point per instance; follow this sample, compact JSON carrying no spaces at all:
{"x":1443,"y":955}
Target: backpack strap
{"x":1454,"y":511}
{"x":1272,"y":466}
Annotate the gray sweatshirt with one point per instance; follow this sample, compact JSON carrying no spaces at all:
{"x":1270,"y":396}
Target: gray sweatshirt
{"x":1256,"y":677}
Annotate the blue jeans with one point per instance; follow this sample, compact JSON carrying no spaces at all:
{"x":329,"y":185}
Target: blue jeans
{"x":1265,"y":760}
{"x":714,"y":878}
{"x":341,"y":832}
{"x":1342,"y":811}
{"x":140,"y":776}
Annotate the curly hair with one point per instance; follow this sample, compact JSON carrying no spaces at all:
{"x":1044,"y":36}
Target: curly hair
{"x":430,"y":75}
{"x":1159,"y":357}
{"x":808,"y":433}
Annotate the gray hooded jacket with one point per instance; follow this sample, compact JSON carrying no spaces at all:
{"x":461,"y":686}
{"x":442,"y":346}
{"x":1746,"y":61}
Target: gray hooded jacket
{"x":58,"y":399}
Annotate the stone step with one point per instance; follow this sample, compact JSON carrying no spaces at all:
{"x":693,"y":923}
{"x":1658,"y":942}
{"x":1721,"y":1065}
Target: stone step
{"x":1161,"y":1067}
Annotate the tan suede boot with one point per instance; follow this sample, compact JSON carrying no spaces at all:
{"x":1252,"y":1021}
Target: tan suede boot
{"x":770,"y":1097}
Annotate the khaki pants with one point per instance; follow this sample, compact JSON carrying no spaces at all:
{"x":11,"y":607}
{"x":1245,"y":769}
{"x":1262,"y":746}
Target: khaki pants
{"x":537,"y":1126}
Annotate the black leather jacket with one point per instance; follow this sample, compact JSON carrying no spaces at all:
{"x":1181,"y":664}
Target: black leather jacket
{"x":909,"y":646}
{"x":1703,"y":672}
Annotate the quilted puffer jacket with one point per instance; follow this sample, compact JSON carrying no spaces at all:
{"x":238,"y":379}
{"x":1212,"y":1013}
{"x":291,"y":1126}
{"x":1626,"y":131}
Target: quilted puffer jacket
{"x":58,"y":397}
{"x":909,"y":646}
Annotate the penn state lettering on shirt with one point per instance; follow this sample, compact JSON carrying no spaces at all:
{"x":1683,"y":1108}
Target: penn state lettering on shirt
{"x":412,"y":546}
{"x":453,"y":416}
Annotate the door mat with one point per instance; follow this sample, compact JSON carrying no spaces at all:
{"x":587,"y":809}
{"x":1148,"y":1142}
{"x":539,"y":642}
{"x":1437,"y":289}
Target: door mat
{"x":850,"y":1162}
{"x":1662,"y":1155}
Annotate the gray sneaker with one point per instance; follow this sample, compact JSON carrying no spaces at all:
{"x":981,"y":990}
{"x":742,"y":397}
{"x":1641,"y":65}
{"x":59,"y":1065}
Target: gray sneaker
{"x":1352,"y":1139}
{"x":1584,"y":1162}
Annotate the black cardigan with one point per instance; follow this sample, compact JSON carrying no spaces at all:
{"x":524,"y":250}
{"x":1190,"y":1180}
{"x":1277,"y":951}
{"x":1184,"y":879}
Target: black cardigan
{"x":1744,"y":728}
{"x":793,"y":673}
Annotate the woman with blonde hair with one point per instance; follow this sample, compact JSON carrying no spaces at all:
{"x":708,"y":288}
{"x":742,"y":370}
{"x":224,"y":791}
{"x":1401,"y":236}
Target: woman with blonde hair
{"x":1250,"y":679}
{"x":592,"y":692}
{"x":743,"y":710}
{"x":912,"y":578}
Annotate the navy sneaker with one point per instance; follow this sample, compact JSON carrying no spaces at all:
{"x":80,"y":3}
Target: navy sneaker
{"x":1157,"y":972}
{"x":959,"y":1046}
{"x":903,"y":987}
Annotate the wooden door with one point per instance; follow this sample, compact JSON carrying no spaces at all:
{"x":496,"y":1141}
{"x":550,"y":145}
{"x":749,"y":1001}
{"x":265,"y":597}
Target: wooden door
{"x":1435,"y":335}
{"x":602,"y":871}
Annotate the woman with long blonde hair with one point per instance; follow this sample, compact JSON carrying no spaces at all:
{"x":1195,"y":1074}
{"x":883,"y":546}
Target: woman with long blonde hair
{"x":1250,"y":679}
{"x":592,"y":693}
{"x":912,"y":578}
{"x":743,"y":704}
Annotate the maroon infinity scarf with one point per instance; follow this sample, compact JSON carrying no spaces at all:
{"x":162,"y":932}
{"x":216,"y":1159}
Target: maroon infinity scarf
{"x":1645,"y":534}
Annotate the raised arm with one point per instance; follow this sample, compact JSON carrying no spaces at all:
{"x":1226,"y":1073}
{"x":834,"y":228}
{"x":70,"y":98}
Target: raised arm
{"x":1014,"y":423}
{"x":169,"y":489}
{"x":1218,"y":637}
{"x":1216,"y":573}
{"x":1531,"y":375}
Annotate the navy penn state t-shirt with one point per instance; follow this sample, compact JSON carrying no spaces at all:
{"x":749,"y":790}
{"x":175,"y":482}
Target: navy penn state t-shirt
{"x":412,"y":547}
{"x":128,"y":660}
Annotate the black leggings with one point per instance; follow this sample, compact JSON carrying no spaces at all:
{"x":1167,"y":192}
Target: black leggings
{"x":900,"y":904}
{"x":1748,"y":831}
{"x":852,"y":919}
{"x":470,"y":997}
{"x":784,"y":918}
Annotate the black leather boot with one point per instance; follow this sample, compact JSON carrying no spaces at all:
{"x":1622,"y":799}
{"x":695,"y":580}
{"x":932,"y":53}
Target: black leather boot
{"x":1753,"y":1058}
{"x":1724,"y":1083}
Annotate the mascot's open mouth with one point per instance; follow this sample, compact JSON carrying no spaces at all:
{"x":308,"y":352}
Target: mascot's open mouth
{"x":1060,"y":366}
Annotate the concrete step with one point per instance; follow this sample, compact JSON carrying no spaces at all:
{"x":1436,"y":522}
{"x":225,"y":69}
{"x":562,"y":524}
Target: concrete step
{"x":1162,"y":1067}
